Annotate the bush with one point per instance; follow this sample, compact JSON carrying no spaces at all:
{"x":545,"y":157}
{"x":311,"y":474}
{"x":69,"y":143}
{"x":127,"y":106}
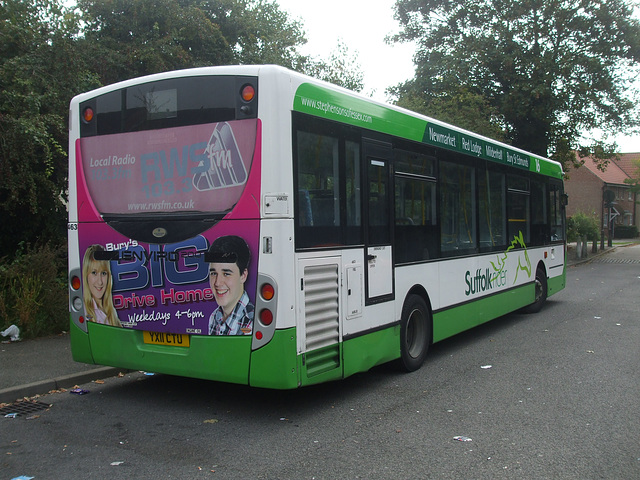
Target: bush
{"x":625,"y":231}
{"x":583,"y":225}
{"x":33,"y":291}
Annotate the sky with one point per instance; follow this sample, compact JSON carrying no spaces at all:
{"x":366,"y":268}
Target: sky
{"x":363,"y":25}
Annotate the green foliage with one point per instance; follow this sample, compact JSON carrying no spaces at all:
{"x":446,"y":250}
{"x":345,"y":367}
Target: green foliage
{"x":39,"y":73}
{"x":552,"y":69}
{"x":258,"y":31}
{"x":130,"y":38}
{"x":33,"y":291}
{"x":341,"y":69}
{"x":583,"y":225}
{"x":462,"y":108}
{"x":634,"y":181}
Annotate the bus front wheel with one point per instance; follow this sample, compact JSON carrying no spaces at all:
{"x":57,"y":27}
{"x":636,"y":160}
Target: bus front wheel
{"x":415,"y":333}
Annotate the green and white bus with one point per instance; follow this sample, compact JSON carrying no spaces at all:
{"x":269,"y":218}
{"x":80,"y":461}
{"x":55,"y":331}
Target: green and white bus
{"x":252,"y":225}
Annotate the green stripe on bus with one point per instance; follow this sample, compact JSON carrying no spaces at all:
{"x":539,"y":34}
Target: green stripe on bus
{"x":332,"y":105}
{"x":366,"y":351}
{"x":455,"y":320}
{"x":555,"y":284}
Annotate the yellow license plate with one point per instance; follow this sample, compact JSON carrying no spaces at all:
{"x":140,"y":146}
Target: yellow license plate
{"x":162,"y":338}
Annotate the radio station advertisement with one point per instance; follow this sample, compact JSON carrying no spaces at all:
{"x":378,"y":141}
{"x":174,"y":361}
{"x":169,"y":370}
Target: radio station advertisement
{"x":204,"y":285}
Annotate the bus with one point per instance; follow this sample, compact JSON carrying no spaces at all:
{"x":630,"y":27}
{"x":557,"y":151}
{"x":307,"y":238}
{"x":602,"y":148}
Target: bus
{"x":252,"y":225}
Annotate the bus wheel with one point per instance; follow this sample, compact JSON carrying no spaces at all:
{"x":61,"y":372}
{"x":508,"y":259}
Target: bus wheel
{"x":541,"y":292}
{"x":415,"y":333}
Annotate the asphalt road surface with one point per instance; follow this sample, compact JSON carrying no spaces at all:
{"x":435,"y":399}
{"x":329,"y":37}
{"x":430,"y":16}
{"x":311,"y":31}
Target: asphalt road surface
{"x":554,"y":395}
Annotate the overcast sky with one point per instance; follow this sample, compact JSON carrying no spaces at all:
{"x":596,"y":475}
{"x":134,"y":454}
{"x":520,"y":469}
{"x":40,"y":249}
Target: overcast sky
{"x":362,"y":25}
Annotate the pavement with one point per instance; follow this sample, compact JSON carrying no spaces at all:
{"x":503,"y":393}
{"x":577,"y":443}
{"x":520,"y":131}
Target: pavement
{"x":35,"y":367}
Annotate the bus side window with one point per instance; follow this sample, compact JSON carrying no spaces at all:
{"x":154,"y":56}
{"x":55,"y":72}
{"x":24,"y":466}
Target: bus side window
{"x":492,"y":208}
{"x":556,"y":215}
{"x":416,"y":234}
{"x":457,"y":208}
{"x":518,"y":212}
{"x":540,"y":232}
{"x":318,"y":182}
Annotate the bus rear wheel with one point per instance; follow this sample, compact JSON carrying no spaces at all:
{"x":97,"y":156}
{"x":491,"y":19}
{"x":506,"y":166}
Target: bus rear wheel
{"x":541,"y":292}
{"x":415,"y":333}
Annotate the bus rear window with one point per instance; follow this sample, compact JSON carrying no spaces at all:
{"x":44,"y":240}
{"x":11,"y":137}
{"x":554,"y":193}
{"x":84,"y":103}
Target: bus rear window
{"x":169,"y":103}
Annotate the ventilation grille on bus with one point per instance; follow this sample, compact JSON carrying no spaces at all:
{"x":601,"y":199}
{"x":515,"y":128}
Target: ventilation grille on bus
{"x":321,"y":292}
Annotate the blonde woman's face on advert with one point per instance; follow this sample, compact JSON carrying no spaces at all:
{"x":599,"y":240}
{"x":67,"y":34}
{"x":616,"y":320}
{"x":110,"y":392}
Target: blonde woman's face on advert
{"x":97,"y":280}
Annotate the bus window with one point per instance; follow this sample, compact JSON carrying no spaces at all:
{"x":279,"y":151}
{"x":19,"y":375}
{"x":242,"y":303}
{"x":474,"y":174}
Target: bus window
{"x":518,"y":208}
{"x":328,"y":176}
{"x":556,"y":216}
{"x":353,"y":197}
{"x":318,"y":180}
{"x":378,"y":203}
{"x":457,"y":209}
{"x":492,"y":209}
{"x":416,"y":235}
{"x":539,"y":222}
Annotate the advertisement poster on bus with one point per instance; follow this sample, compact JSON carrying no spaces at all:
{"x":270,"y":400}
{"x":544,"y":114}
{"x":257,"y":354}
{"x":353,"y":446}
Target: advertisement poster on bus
{"x":204,"y":285}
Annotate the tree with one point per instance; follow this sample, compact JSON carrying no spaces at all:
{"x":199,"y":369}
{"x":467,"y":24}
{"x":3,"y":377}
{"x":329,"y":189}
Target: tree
{"x":463,"y":108}
{"x":258,"y":31}
{"x":634,"y":181}
{"x":131,"y":38}
{"x":341,"y":68}
{"x":553,"y":69}
{"x":39,"y":73}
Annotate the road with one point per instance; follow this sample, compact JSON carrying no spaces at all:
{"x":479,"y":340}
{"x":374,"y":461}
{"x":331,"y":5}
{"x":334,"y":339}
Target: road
{"x":551,"y":395}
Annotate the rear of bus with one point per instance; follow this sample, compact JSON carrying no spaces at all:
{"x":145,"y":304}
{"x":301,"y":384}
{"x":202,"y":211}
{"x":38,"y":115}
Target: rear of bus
{"x":165,"y":175}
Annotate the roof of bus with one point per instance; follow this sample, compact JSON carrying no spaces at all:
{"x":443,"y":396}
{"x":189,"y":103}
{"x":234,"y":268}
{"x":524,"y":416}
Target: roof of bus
{"x":329,"y":101}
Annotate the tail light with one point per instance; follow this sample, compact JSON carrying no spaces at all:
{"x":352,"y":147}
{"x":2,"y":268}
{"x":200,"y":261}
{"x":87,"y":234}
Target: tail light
{"x":248,"y":92}
{"x":266,"y":310}
{"x":87,"y":114}
{"x":267,"y":291}
{"x":76,"y":304}
{"x":266,"y":317}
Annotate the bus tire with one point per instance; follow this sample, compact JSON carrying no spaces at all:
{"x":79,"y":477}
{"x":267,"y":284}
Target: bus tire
{"x":415,"y":333}
{"x":541,"y":292}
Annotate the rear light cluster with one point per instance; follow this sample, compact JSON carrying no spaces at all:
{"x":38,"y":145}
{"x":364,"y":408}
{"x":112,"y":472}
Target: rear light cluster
{"x":266,"y":304}
{"x":248,"y":92}
{"x":76,"y":296}
{"x":87,"y":114}
{"x":247,"y":103}
{"x":76,"y":303}
{"x":265,"y":315}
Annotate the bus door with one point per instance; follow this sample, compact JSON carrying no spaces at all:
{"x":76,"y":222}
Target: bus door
{"x":377,"y":222}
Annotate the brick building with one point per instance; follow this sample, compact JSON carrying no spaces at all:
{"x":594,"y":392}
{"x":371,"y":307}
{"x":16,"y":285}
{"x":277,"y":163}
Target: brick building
{"x":588,"y":188}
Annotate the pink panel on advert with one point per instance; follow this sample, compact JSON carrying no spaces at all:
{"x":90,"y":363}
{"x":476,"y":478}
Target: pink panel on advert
{"x":248,"y":205}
